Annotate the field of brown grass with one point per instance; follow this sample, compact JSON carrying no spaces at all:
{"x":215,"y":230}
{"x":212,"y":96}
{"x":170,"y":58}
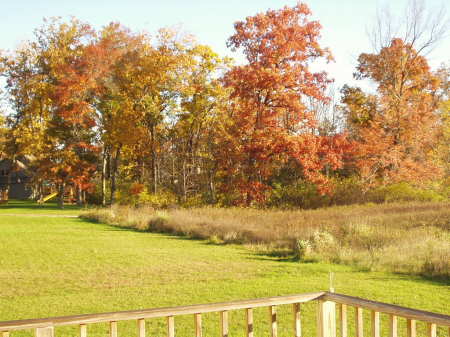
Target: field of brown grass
{"x":411,"y":238}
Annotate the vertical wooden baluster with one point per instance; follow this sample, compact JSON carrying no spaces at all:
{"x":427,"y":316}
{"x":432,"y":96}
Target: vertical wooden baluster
{"x":113,"y":329}
{"x":411,"y":328}
{"x":432,"y":330}
{"x":375,"y":324}
{"x":359,"y":322}
{"x":343,"y":323}
{"x":393,"y":326}
{"x":141,"y":327}
{"x":198,"y":325}
{"x":249,"y":314}
{"x":224,"y":323}
{"x":297,"y":320}
{"x":273,"y":320}
{"x":170,"y":326}
{"x":83,"y":330}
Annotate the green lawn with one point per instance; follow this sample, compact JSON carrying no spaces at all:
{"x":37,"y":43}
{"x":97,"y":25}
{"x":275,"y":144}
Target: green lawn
{"x":33,"y":208}
{"x":51,"y":266}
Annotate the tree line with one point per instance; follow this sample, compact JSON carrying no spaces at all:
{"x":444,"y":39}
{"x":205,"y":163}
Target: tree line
{"x":124,"y":116}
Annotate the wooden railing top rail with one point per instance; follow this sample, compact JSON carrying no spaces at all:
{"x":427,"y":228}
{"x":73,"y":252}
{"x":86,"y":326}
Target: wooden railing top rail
{"x":157,"y":312}
{"x":396,"y":310}
{"x":420,"y":315}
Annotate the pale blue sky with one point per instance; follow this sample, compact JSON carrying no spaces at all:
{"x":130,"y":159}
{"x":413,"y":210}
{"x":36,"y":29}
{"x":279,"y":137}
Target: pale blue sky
{"x":344,"y":21}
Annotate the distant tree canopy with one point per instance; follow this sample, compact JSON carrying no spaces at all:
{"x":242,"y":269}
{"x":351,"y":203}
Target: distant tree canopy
{"x":130,"y":117}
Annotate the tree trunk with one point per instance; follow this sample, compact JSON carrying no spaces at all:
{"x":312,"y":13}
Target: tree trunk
{"x":40,"y":194}
{"x":104,"y":164}
{"x":141,"y":169}
{"x":79,"y":196}
{"x":61,"y":192}
{"x":153,"y":159}
{"x":212,"y":188}
{"x":184,"y":182}
{"x":8,"y":182}
{"x":114,"y":169}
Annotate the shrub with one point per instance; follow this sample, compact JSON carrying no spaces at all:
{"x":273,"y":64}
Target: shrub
{"x":138,"y":195}
{"x":301,"y":249}
{"x":403,"y":192}
{"x":299,"y":195}
{"x":347,"y":191}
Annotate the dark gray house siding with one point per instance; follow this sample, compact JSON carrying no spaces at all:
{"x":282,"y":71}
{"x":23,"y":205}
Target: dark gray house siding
{"x":19,"y":188}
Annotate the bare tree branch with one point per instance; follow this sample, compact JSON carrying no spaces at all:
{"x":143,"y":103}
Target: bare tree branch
{"x":421,"y":27}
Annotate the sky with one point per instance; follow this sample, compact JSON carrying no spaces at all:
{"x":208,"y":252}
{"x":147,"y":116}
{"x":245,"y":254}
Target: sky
{"x":344,"y":22}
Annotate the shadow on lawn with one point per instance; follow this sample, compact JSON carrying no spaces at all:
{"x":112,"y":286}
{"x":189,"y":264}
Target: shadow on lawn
{"x":32,"y":206}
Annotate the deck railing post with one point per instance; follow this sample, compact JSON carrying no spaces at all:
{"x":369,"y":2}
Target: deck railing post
{"x":45,"y":332}
{"x":326,"y":319}
{"x":141,"y":327}
{"x":83,"y":330}
{"x":432,"y":330}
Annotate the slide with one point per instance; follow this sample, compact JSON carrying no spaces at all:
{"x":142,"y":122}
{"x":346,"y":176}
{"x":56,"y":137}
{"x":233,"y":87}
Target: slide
{"x":48,"y":197}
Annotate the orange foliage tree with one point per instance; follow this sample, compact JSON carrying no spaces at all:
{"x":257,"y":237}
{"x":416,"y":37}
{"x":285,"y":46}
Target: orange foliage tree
{"x":270,"y":123}
{"x":396,"y":128}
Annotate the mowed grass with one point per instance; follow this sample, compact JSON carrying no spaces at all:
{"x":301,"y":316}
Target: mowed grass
{"x":51,"y":266}
{"x":33,"y":208}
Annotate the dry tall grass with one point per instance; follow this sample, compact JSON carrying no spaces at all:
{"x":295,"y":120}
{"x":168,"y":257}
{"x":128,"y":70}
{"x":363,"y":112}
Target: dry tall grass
{"x":402,"y":237}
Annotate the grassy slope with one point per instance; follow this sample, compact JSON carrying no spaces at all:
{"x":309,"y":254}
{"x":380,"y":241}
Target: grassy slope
{"x":412,"y":238}
{"x":62,"y":266}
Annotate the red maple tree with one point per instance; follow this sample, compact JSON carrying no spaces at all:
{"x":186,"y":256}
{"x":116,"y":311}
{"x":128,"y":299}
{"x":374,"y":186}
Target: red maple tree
{"x":270,"y":122}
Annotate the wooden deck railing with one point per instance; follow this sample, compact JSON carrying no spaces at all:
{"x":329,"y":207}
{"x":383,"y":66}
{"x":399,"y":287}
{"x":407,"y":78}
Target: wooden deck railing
{"x":326,"y":317}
